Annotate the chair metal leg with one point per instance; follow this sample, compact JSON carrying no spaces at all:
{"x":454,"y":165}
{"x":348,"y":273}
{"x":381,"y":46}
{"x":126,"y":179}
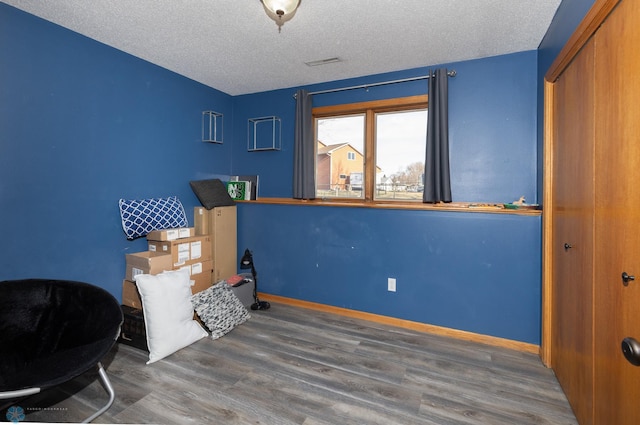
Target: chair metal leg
{"x":110,"y":391}
{"x":18,"y":393}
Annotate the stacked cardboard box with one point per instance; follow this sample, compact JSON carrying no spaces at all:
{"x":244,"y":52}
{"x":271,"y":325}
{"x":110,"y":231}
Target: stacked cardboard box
{"x":171,"y":234}
{"x":219,"y":225}
{"x":192,"y":253}
{"x":141,"y":263}
{"x":170,"y":249}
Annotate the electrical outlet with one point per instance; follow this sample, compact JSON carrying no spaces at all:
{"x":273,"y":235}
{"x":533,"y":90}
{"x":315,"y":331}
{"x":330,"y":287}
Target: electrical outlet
{"x":391,"y":284}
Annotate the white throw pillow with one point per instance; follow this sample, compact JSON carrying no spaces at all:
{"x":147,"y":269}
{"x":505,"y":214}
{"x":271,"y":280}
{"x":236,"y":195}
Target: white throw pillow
{"x":168,"y":313}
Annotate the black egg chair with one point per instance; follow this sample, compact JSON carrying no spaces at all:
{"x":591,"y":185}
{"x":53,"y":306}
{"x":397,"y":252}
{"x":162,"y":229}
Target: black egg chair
{"x":52,"y":331}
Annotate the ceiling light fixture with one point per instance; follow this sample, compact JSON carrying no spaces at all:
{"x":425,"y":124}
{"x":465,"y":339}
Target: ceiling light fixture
{"x":280,"y":10}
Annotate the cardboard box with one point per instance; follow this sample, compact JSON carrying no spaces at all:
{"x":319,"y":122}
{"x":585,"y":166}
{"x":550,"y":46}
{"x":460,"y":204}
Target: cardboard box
{"x":221,"y":225}
{"x":130,"y":294}
{"x":184,"y":251}
{"x":146,"y":262}
{"x":171,"y":234}
{"x":200,"y":274}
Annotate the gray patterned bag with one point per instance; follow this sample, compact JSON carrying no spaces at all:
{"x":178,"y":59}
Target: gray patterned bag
{"x":219,"y":309}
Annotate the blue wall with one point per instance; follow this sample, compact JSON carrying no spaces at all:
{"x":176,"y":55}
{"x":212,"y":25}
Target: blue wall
{"x":82,"y":125}
{"x":476,"y":272}
{"x":492,"y":119}
{"x":470,"y":271}
{"x":567,"y":18}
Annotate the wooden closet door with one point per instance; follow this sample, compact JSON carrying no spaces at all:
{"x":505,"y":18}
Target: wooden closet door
{"x":617,"y":237}
{"x":573,"y":190}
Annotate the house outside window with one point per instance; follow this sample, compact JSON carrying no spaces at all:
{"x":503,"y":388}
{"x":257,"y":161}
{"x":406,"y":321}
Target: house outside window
{"x":371,"y":151}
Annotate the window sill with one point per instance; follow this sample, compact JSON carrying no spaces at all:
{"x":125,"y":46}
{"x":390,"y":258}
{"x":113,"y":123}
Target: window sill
{"x":496,"y":208}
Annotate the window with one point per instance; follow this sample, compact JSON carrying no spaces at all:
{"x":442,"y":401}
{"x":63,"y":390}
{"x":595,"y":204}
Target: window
{"x":371,"y":151}
{"x":339,"y":138}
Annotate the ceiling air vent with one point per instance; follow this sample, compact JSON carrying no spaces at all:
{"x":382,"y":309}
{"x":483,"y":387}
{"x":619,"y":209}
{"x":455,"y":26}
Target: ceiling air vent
{"x":323,"y":62}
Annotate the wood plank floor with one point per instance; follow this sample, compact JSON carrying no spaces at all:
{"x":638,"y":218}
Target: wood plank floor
{"x":290,"y":365}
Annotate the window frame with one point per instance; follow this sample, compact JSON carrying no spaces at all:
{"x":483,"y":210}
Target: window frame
{"x":369,"y":109}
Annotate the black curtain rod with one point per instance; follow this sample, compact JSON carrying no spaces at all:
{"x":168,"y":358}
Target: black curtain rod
{"x":451,"y":73}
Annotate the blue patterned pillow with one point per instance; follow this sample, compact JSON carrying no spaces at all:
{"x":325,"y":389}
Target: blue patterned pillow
{"x":139,"y":217}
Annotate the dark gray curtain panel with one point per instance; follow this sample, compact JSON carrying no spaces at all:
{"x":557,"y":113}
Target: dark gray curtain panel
{"x":304,"y":163}
{"x":437,"y":181}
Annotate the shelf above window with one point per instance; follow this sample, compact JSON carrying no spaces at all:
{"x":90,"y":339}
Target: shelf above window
{"x":264,"y":134}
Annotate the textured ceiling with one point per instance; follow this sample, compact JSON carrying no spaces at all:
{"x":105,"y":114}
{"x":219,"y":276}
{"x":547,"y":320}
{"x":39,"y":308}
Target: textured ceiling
{"x":233,"y":46}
